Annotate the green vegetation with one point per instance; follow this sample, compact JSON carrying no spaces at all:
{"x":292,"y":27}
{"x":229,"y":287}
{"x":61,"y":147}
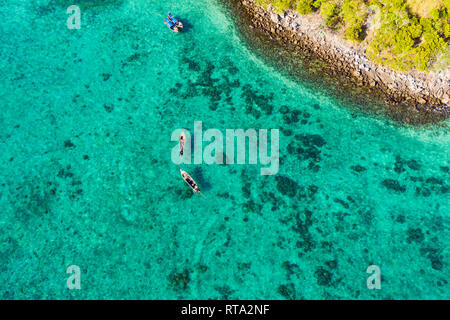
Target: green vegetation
{"x":330,"y":13}
{"x":279,"y":5}
{"x":404,"y":41}
{"x":305,"y":6}
{"x":354,"y":13}
{"x":282,"y":5}
{"x":354,"y":32}
{"x":401,"y":34}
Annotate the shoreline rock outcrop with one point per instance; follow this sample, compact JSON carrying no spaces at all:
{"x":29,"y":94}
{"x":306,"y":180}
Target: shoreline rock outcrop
{"x":426,"y":91}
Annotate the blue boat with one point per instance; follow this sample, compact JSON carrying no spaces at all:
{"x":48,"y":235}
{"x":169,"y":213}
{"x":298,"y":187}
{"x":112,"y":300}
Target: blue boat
{"x":170,"y":25}
{"x":173,"y":23}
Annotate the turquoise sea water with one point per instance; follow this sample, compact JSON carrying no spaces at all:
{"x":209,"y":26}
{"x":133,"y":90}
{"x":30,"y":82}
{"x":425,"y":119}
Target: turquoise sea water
{"x":87,"y":178}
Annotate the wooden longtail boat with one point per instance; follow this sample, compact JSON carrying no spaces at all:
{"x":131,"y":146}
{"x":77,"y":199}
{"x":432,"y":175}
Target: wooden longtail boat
{"x":182,"y":141}
{"x":190,"y":181}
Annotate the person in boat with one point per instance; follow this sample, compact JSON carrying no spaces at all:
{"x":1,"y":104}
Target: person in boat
{"x":175,"y":20}
{"x":171,"y":25}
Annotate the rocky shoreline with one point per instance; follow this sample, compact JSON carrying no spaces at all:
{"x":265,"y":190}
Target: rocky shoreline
{"x":428,"y":92}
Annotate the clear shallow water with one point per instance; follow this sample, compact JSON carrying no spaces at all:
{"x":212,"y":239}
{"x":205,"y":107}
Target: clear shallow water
{"x":87,"y":179}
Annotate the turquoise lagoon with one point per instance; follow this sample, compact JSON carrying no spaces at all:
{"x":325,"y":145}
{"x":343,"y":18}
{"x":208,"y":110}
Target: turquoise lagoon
{"x":87,"y":178}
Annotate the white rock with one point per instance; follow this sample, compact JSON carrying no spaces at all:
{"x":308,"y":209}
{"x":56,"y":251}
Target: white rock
{"x":274,"y":17}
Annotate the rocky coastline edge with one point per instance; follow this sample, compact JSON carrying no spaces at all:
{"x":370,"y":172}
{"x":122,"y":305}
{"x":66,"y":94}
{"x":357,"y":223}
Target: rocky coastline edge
{"x":429,"y":92}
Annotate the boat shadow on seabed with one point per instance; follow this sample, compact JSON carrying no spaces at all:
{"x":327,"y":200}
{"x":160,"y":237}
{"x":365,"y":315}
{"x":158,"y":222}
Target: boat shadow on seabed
{"x":186,"y":24}
{"x":198,"y":174}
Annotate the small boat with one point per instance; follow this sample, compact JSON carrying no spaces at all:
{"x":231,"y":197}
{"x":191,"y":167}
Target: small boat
{"x":170,"y":25}
{"x":175,"y":21}
{"x":190,"y":181}
{"x":182,"y":141}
